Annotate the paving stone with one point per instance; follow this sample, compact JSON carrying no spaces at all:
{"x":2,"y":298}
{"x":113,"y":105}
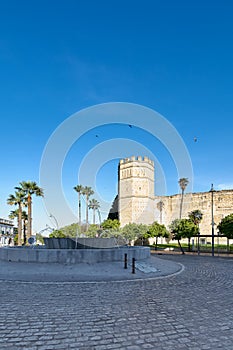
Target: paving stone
{"x":188,"y":311}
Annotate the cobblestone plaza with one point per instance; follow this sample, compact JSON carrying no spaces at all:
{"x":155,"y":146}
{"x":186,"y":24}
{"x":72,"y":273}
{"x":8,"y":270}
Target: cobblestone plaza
{"x":189,"y":310}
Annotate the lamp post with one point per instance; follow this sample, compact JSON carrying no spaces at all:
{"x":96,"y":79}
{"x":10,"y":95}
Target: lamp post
{"x":198,"y":241}
{"x":99,"y":215}
{"x":212,"y":216}
{"x":52,"y":216}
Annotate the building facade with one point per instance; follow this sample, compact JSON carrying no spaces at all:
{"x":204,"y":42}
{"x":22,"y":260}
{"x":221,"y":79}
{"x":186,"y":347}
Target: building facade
{"x":6,"y":232}
{"x":138,"y":203}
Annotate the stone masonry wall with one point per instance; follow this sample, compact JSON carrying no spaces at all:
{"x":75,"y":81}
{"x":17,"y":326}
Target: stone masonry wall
{"x":136,"y":190}
{"x":137,"y":202}
{"x":222,"y":204}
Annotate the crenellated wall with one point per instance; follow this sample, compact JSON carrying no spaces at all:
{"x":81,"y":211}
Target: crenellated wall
{"x":136,"y":190}
{"x":137,"y":202}
{"x":222,"y":205}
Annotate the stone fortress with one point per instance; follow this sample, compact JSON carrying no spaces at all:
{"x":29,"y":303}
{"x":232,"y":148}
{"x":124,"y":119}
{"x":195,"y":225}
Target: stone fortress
{"x":137,"y":202}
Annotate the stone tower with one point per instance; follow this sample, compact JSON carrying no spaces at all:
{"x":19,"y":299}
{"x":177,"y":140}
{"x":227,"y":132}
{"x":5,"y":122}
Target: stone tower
{"x":138,"y":204}
{"x":136,"y":190}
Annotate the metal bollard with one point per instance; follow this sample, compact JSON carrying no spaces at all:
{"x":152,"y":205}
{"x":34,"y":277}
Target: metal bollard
{"x":133,"y":265}
{"x":126,"y":260}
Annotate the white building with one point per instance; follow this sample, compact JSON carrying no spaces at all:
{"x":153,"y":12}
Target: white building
{"x":6,"y":232}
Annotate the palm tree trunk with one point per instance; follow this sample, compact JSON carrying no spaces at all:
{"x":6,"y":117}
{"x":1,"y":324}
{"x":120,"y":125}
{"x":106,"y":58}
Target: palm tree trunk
{"x":86,"y":213}
{"x":181,"y":203}
{"x":99,"y":217}
{"x":79,"y":209}
{"x":29,"y":224}
{"x":181,"y":207}
{"x":198,"y":242}
{"x":94,"y":216}
{"x":24,"y":232}
{"x":20,"y":225}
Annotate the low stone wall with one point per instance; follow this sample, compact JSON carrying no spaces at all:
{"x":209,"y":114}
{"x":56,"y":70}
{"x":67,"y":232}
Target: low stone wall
{"x":72,"y":256}
{"x":80,"y":243}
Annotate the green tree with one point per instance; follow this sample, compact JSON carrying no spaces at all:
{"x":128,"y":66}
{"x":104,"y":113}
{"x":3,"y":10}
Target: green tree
{"x":93,"y":231}
{"x":157,"y":230}
{"x":57,"y":234}
{"x":225,"y":227}
{"x":79,"y":190}
{"x":94,"y":205}
{"x":18,"y":199}
{"x":39,"y":238}
{"x":110,"y":224}
{"x":72,"y":230}
{"x":87,"y":191}
{"x":183,"y":228}
{"x":30,"y":188}
{"x":183,"y":182}
{"x":132,"y":232}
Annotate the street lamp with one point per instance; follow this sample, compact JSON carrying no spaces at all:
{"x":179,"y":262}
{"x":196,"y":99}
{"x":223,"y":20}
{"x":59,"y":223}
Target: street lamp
{"x":52,"y":216}
{"x":100,"y":220}
{"x":212,"y":216}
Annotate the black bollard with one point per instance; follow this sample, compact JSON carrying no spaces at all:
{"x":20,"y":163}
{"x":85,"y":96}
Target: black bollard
{"x":133,"y":265}
{"x":125,"y":265}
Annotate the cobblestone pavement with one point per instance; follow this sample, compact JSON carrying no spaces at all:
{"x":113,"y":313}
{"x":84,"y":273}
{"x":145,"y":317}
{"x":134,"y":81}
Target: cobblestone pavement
{"x":191,"y":310}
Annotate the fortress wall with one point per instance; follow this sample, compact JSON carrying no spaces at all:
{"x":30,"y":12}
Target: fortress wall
{"x":222,"y":204}
{"x":138,"y":204}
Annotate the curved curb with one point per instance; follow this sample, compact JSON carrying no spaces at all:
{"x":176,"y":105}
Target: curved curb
{"x":109,"y":280}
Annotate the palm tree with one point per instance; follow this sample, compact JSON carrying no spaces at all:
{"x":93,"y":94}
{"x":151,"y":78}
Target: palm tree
{"x":29,"y":188}
{"x":87,"y":191}
{"x":94,"y":205}
{"x":196,"y":216}
{"x":79,"y":190}
{"x":183,"y":182}
{"x":18,"y":199}
{"x":14,"y":214}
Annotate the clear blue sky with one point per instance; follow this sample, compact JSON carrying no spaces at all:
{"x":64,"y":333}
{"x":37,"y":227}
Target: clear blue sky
{"x":58,"y":57}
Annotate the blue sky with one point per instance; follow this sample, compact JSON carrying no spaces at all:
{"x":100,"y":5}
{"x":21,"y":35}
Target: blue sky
{"x":59,"y":57}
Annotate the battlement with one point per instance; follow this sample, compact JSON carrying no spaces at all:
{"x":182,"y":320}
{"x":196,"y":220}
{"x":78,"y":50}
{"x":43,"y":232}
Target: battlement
{"x":137,"y":159}
{"x":137,"y":202}
{"x":136,"y":190}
